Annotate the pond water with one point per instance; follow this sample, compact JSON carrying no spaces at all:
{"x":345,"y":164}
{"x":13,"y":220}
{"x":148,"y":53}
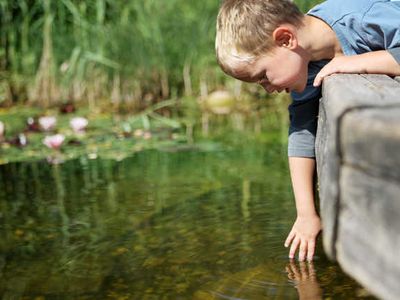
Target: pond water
{"x":158,"y":225}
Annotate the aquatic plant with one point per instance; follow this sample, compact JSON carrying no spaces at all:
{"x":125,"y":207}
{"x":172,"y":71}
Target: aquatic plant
{"x":54,"y":141}
{"x":79,"y":124}
{"x":47,"y":123}
{"x":20,"y":140}
{"x":32,"y":124}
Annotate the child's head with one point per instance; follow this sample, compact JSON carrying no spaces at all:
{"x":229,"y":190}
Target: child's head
{"x":245,"y":29}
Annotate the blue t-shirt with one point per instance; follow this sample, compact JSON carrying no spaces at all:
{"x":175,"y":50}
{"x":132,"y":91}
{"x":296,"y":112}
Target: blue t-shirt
{"x":361,"y":26}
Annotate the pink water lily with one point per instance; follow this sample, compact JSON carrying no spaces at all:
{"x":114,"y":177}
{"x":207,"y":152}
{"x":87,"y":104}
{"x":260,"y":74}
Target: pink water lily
{"x":78,"y":124}
{"x":47,"y":123}
{"x":54,"y":141}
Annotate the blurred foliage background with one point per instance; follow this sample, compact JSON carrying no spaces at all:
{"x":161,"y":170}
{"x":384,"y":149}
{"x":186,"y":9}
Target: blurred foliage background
{"x":130,"y":54}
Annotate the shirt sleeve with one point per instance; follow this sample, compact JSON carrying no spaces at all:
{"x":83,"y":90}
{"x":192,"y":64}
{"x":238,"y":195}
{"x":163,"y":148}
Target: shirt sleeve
{"x":395,"y":53}
{"x":381,"y":25}
{"x":303,"y":114}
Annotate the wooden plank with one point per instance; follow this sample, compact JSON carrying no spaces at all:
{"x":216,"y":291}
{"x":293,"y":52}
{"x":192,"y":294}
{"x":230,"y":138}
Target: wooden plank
{"x":371,"y":141}
{"x":368,"y":241}
{"x":375,"y":199}
{"x":346,"y":91}
{"x":343,"y":93}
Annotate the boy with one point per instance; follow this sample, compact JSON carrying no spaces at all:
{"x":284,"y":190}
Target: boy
{"x":271,"y":43}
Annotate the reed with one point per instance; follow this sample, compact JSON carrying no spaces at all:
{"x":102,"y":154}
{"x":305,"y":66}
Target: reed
{"x":131,"y":54}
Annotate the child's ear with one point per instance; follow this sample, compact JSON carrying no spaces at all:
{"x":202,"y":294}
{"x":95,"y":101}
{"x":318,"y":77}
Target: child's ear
{"x":285,"y":36}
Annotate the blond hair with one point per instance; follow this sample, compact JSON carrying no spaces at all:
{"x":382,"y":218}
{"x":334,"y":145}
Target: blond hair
{"x":245,"y":27}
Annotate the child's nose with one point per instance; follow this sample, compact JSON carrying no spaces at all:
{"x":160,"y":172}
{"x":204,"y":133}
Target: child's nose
{"x":268,"y":87}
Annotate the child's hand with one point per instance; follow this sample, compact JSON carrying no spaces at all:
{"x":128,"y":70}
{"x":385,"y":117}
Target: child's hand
{"x":303,"y":236}
{"x":341,"y":64}
{"x":375,"y":62}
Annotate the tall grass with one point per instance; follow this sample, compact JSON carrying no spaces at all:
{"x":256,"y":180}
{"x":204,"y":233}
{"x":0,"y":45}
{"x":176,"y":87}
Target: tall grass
{"x":125,"y":53}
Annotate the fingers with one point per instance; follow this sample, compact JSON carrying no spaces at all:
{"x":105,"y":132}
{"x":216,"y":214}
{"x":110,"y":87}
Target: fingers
{"x":293,"y":247}
{"x":301,"y":272}
{"x":320,"y":76}
{"x":317,"y":81}
{"x":311,"y":271}
{"x":290,"y":273}
{"x":302,"y":250}
{"x":306,"y":248}
{"x":289,"y":238}
{"x":329,"y":69}
{"x":295,"y":270}
{"x":311,"y":250}
{"x":326,"y":70}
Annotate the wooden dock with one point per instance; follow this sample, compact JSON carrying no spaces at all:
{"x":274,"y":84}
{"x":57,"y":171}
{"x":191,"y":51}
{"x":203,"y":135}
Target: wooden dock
{"x":358,"y":163}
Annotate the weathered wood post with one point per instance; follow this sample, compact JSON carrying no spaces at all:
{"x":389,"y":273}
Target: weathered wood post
{"x":358,"y":163}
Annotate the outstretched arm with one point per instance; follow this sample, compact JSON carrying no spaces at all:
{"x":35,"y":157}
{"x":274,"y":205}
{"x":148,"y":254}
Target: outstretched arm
{"x":376,"y":62}
{"x":307,"y":225}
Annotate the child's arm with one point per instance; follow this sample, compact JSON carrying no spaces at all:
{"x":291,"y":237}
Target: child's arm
{"x":307,"y":225}
{"x":376,"y":62}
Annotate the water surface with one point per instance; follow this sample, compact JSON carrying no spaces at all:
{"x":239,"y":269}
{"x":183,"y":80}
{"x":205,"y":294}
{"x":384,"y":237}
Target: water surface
{"x":158,"y":225}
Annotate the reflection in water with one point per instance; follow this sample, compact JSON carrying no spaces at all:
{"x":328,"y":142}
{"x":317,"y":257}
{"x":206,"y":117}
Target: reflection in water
{"x":156,"y":226}
{"x":305,"y":279}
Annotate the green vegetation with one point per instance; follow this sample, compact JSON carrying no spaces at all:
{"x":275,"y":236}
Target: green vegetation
{"x":129,"y":53}
{"x":126,"y":65}
{"x":305,"y":5}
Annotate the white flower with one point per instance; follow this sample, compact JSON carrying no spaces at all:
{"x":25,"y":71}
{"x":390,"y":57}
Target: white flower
{"x":78,"y":124}
{"x":54,"y":141}
{"x":47,"y":123}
